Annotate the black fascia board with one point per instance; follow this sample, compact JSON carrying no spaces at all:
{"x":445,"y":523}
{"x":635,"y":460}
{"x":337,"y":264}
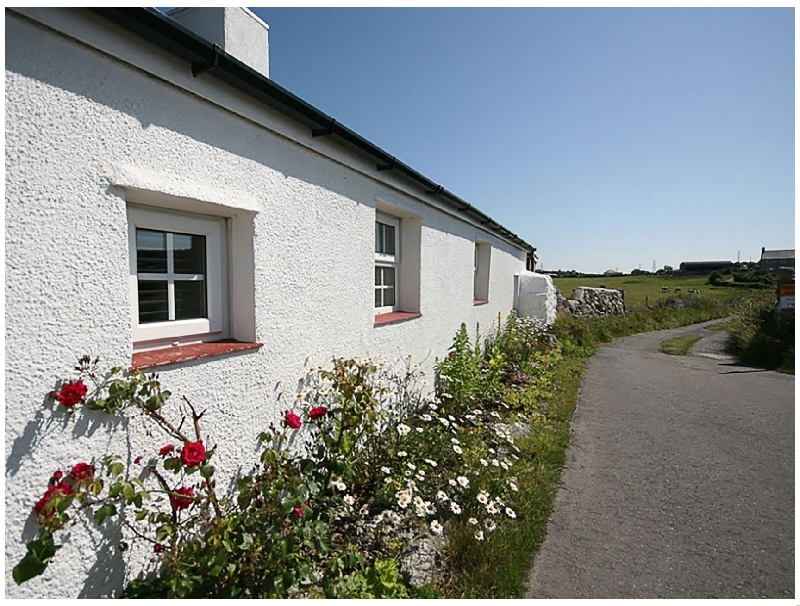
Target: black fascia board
{"x":173,"y":37}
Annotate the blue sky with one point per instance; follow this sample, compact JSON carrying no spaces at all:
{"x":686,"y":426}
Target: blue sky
{"x":607,"y":138}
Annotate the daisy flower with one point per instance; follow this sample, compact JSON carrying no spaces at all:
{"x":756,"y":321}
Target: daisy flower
{"x":455,"y":441}
{"x":492,"y":508}
{"x":479,"y":535}
{"x":378,"y":518}
{"x":455,"y":508}
{"x":483,"y":497}
{"x":411,"y":466}
{"x":420,"y":430}
{"x":403,"y":429}
{"x":442,"y":495}
{"x":436,"y":528}
{"x":510,"y":513}
{"x":430,"y":507}
{"x":427,"y":417}
{"x":452,"y":482}
{"x":457,"y":449}
{"x":513,"y":486}
{"x":349,"y":500}
{"x":386,"y":470}
{"x":340,"y":485}
{"x":402,"y":454}
{"x":472,"y":521}
{"x":484,"y":462}
{"x":419,"y":501}
{"x":431,"y":462}
{"x":490,"y":525}
{"x":463,"y":481}
{"x":403,"y":500}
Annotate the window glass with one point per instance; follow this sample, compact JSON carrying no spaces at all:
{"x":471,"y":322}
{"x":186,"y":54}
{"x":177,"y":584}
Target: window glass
{"x":151,"y":251}
{"x":189,"y":254}
{"x":190,"y":299}
{"x":384,"y":238}
{"x":153,"y":301}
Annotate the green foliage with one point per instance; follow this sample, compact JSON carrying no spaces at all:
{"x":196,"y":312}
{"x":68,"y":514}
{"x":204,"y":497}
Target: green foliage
{"x":762,"y":335}
{"x":381,"y":580}
{"x":679,"y":346}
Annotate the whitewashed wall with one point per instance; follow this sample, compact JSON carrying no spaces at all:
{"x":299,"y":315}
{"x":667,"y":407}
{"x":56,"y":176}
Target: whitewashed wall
{"x":81,"y":127}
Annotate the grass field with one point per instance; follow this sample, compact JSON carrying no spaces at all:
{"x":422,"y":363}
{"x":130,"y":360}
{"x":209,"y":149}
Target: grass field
{"x":647,"y":289}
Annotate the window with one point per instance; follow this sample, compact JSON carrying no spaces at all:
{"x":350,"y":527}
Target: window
{"x":178,"y":276}
{"x":387,"y":262}
{"x":480,"y":283}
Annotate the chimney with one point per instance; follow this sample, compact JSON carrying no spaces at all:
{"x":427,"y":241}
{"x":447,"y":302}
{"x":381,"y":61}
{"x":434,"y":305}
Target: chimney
{"x":237,"y":31}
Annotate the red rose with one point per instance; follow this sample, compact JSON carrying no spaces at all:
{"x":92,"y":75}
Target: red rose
{"x":82,"y":471}
{"x":57,"y":475}
{"x":57,"y":491}
{"x":182,"y":498}
{"x":317,"y":412}
{"x":292,"y":420}
{"x":193,"y":454}
{"x":166,"y":450}
{"x":71,"y":393}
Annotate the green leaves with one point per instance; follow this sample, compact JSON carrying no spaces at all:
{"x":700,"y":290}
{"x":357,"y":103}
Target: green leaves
{"x":38,"y":556}
{"x":109,"y":509}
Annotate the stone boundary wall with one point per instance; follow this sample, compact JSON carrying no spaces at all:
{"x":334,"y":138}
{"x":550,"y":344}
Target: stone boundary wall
{"x":585,"y":302}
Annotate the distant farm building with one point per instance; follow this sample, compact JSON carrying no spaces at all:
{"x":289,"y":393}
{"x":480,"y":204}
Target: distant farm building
{"x":612,"y":272}
{"x":704,"y":267}
{"x":771,"y":260}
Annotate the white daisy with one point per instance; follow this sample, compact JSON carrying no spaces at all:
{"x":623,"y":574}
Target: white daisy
{"x":484,"y":462}
{"x":420,"y":430}
{"x":386,"y":470}
{"x":455,"y":508}
{"x":436,"y":528}
{"x":492,"y":508}
{"x":403,"y":429}
{"x":411,"y":466}
{"x":340,"y":485}
{"x":402,"y":454}
{"x":349,"y":500}
{"x":463,"y":481}
{"x":452,"y":482}
{"x":431,"y":462}
{"x":403,"y":500}
{"x":457,"y":449}
{"x":510,"y":513}
{"x":490,"y":525}
{"x":430,"y":507}
{"x":472,"y":521}
{"x":455,"y":441}
{"x":479,"y":535}
{"x":419,"y":501}
{"x":426,"y":417}
{"x":513,"y":486}
{"x":442,"y":495}
{"x":378,"y":518}
{"x":495,"y":463}
{"x":483,"y":497}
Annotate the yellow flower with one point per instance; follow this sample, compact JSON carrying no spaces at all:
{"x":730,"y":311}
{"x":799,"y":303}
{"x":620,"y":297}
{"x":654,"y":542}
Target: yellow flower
{"x":491,"y":362}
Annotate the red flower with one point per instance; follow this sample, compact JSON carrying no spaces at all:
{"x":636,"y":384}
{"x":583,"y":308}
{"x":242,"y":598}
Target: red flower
{"x":292,"y":420}
{"x":82,"y":471}
{"x":166,"y":450}
{"x":317,"y":412}
{"x":57,"y":475}
{"x":193,"y":454}
{"x":57,"y":491}
{"x":157,"y":547}
{"x":138,"y":459}
{"x":182,"y":498}
{"x":452,"y":354}
{"x":71,"y":393}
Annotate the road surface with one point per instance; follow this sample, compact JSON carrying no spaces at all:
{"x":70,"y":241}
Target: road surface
{"x":679,"y":480}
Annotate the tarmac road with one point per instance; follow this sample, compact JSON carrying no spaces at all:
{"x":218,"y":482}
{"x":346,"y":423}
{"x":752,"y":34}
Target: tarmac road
{"x":679,"y":480}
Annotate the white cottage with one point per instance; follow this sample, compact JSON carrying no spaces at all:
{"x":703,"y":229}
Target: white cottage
{"x":169,"y":207}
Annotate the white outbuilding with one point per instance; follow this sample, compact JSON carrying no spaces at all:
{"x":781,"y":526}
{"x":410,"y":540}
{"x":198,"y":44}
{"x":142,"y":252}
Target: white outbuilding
{"x":169,"y":207}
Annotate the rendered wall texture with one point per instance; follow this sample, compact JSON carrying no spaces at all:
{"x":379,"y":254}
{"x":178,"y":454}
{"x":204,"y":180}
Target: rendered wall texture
{"x":81,"y":130}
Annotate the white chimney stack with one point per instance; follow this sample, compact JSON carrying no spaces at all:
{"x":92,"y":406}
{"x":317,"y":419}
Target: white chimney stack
{"x":237,"y":31}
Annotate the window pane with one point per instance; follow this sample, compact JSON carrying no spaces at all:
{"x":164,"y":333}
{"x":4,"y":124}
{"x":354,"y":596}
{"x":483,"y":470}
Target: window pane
{"x":189,"y":254}
{"x":378,"y":297}
{"x":388,"y":297}
{"x":384,"y":238}
{"x":153,"y":304}
{"x":151,"y":251}
{"x":190,"y":299}
{"x":388,"y":276}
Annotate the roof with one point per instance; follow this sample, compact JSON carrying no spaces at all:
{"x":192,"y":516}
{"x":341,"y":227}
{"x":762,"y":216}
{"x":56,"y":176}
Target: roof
{"x":206,"y":57}
{"x":777,"y":254}
{"x":704,"y":263}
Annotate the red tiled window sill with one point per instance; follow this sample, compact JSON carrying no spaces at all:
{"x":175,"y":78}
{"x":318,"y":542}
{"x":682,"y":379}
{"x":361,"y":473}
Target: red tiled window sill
{"x":185,"y":353}
{"x":395,"y":316}
{"x":479,"y":302}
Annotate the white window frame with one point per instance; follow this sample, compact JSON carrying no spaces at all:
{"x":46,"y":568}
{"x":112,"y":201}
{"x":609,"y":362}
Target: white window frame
{"x":213,"y":327}
{"x":393,"y":261}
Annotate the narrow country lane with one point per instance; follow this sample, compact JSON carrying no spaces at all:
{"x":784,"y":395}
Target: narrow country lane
{"x":679,"y":480}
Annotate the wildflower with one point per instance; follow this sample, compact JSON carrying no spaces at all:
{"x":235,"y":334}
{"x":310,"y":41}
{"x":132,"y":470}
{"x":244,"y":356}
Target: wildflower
{"x":395,"y":517}
{"x":387,"y":480}
{"x":483,"y":497}
{"x":455,"y":508}
{"x":402,"y":454}
{"x":491,"y":450}
{"x":421,"y":512}
{"x":472,"y":521}
{"x":420,"y":475}
{"x":504,"y":465}
{"x":490,"y":525}
{"x":431,"y":462}
{"x":452,"y":482}
{"x":479,"y":535}
{"x":419,"y":501}
{"x":436,"y":527}
{"x":349,"y":500}
{"x":341,"y":486}
{"x":411,"y":466}
{"x":403,"y":500}
{"x":455,"y":441}
{"x":426,"y":417}
{"x":420,"y":430}
{"x":82,"y":471}
{"x":317,"y":412}
{"x":457,"y":449}
{"x":452,"y":418}
{"x":412,"y":485}
{"x":495,"y":463}
{"x":512,"y":486}
{"x":492,"y":508}
{"x":442,"y":495}
{"x":386,"y":470}
{"x":484,"y":462}
{"x":463,"y":481}
{"x":429,"y":507}
{"x":298,"y":511}
{"x":378,"y":518}
{"x":444,"y":421}
{"x":510,"y":513}
{"x":403,"y":429}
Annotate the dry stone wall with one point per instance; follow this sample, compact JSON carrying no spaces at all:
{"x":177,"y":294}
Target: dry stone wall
{"x":585,"y":302}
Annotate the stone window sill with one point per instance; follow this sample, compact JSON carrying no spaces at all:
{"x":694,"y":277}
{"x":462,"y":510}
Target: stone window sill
{"x":185,"y":353}
{"x":395,"y":316}
{"x":479,"y":302}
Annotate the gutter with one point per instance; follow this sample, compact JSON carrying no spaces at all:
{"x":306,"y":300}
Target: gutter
{"x":203,"y":56}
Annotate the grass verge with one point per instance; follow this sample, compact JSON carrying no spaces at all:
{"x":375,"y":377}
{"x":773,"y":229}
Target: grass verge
{"x":499,"y":567}
{"x":763,"y":336}
{"x":679,"y":346}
